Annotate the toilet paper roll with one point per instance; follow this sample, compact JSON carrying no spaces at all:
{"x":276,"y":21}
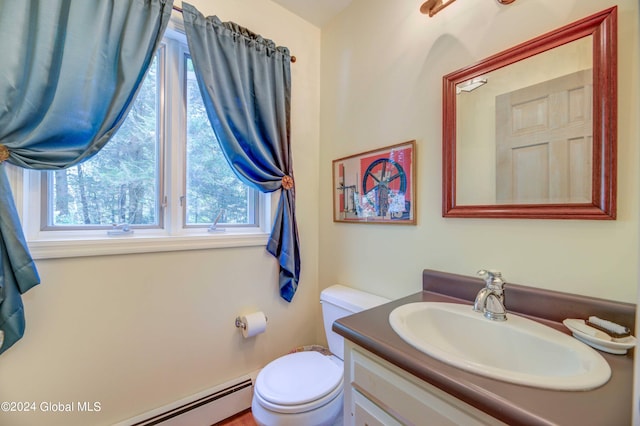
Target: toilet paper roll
{"x":255,"y":322}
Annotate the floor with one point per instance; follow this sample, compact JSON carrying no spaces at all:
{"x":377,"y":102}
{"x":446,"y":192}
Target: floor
{"x":244,"y":418}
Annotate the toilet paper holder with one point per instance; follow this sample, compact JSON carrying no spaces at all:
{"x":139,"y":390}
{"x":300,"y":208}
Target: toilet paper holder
{"x":243,"y":325}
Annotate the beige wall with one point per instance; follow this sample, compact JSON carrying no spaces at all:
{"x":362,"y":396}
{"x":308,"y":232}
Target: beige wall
{"x":136,"y":332}
{"x":382,"y":68}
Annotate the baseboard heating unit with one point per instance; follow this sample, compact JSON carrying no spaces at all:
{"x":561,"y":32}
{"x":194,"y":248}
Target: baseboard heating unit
{"x":203,"y":409}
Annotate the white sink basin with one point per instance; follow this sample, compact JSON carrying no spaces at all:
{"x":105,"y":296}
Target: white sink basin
{"x":517,"y":350}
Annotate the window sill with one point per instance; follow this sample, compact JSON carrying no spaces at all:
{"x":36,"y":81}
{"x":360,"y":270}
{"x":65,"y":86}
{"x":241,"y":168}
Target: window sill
{"x":61,"y":248}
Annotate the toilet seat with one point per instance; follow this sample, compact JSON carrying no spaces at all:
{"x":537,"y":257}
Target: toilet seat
{"x":298,"y":382}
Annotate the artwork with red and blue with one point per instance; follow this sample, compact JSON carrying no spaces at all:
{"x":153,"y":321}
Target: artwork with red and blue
{"x":376,"y":186}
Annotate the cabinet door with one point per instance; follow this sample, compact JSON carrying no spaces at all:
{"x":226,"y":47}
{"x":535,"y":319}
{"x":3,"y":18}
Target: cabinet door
{"x":366,"y":413}
{"x":401,"y":396}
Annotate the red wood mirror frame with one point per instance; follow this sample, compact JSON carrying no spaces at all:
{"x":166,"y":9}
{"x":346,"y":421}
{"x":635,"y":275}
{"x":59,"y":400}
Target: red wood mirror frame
{"x":602,"y":27}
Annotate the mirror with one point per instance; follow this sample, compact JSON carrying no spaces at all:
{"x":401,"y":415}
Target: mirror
{"x":531,"y":132}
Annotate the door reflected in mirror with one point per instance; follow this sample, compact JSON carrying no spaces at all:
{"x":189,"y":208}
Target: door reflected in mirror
{"x":531,"y":132}
{"x":530,"y":138}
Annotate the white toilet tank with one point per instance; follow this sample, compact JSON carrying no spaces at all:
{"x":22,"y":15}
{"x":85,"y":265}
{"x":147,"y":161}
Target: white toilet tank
{"x":339,"y":301}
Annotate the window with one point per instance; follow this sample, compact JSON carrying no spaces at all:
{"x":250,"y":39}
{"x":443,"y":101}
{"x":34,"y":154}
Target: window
{"x":212,"y":188}
{"x":120,"y":184}
{"x":162,"y":175}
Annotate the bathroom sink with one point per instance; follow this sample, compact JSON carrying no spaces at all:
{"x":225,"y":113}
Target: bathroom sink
{"x":517,"y":350}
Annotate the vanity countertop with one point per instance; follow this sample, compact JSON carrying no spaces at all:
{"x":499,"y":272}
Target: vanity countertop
{"x":513,"y":404}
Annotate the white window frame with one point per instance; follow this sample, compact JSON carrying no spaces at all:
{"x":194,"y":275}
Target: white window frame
{"x":46,"y":244}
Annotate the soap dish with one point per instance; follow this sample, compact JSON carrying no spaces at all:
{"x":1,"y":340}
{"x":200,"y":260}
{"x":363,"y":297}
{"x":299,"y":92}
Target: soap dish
{"x":598,"y":339}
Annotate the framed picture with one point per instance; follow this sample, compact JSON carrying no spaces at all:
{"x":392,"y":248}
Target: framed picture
{"x":376,"y":186}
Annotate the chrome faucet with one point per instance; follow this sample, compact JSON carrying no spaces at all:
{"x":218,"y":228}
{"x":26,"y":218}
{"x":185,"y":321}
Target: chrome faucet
{"x":490,"y":300}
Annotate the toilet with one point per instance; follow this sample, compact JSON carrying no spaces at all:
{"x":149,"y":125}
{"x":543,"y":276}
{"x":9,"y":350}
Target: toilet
{"x":306,"y":388}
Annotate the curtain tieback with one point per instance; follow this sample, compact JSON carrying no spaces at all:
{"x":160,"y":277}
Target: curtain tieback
{"x":4,"y":153}
{"x":287,"y":182}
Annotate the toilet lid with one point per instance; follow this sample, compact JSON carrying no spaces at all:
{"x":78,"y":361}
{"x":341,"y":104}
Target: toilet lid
{"x":298,"y":378}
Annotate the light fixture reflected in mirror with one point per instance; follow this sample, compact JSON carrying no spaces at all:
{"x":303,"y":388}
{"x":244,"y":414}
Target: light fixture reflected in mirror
{"x":470,"y":85}
{"x":431,"y":7}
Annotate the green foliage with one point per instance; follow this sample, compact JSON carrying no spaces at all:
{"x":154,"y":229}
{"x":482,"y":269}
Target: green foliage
{"x":211,"y":184}
{"x":120,"y":184}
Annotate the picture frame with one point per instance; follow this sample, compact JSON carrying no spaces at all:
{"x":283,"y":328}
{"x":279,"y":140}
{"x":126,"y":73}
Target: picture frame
{"x":376,"y":186}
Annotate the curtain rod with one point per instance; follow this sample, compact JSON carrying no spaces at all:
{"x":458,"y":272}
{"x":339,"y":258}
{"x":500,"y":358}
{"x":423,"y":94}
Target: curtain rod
{"x":179,"y":10}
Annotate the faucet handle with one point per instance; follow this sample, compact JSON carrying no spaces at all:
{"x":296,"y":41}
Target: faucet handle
{"x":493,"y":279}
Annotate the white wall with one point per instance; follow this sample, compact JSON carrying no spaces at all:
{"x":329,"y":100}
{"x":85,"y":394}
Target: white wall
{"x":136,"y":332}
{"x":382,"y":68}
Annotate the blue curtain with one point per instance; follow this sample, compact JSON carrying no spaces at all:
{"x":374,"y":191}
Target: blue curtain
{"x":69,"y":71}
{"x":245,"y":81}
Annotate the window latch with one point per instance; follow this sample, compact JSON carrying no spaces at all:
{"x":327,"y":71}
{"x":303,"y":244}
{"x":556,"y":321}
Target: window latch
{"x":117,"y":230}
{"x":214,"y":225}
